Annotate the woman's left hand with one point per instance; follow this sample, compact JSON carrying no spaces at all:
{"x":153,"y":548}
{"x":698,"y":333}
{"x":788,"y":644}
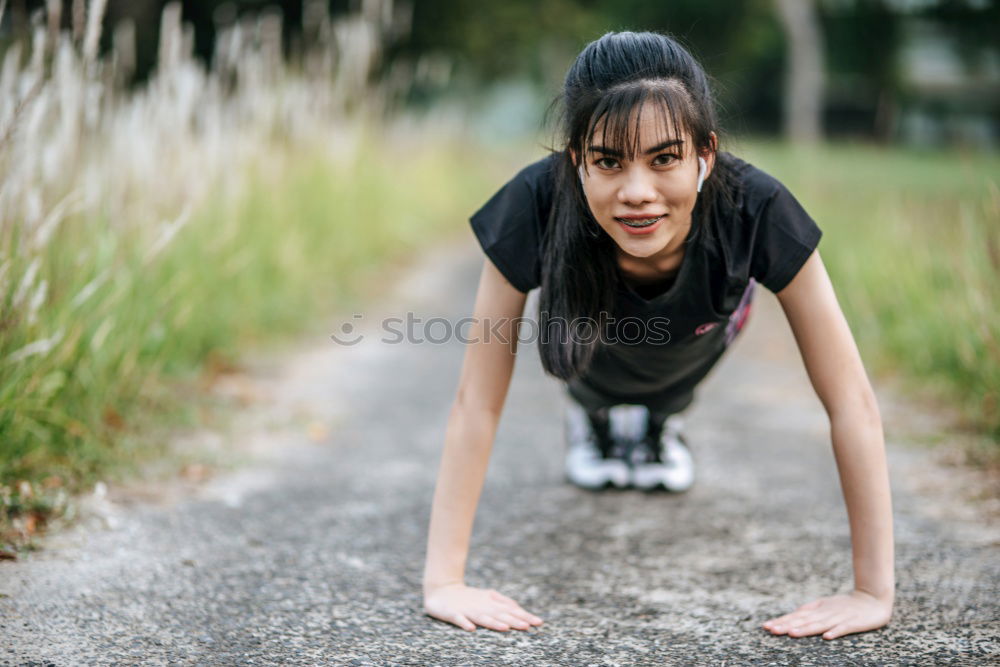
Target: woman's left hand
{"x":834,"y":616}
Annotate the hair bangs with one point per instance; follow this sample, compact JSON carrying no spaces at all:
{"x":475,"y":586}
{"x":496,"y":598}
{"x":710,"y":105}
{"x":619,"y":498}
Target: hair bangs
{"x":617,"y":119}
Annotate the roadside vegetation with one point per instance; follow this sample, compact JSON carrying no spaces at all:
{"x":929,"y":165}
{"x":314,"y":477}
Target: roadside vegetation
{"x":149,"y":239}
{"x":912,"y":243}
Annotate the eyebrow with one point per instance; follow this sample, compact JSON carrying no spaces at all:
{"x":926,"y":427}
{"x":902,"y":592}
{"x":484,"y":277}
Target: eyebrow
{"x":658,"y":147}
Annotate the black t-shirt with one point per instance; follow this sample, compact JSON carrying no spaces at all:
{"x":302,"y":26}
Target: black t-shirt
{"x":766,"y":239}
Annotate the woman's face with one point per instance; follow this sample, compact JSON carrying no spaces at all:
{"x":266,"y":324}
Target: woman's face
{"x":644,"y":204}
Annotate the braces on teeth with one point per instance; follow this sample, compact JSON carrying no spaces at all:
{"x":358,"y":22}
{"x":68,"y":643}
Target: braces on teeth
{"x":633,"y":223}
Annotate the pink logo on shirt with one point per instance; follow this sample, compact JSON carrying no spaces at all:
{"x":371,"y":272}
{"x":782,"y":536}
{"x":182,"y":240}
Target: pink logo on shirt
{"x":705,"y":328}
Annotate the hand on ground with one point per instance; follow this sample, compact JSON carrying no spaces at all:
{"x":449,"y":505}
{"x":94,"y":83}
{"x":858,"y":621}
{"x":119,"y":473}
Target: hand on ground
{"x":468,"y":607}
{"x":833,"y":616}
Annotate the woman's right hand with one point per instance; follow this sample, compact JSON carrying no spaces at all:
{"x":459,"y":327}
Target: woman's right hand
{"x":468,"y":607}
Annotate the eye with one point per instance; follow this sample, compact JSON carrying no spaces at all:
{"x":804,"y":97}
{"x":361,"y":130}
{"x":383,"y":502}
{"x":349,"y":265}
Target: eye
{"x":670,"y":159}
{"x":600,"y":162}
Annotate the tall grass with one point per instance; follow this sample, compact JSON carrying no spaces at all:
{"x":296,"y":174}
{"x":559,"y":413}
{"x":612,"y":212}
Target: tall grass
{"x":146,"y":235}
{"x":912,"y":241}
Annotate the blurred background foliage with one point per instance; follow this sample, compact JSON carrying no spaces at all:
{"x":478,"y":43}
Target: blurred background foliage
{"x":180,"y":183}
{"x":917,"y":71}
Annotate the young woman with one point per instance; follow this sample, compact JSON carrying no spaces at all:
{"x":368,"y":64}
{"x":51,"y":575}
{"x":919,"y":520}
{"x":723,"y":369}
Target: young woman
{"x":646,"y":243}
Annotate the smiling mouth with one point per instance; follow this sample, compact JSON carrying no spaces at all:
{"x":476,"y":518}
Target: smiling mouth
{"x":645,"y":222}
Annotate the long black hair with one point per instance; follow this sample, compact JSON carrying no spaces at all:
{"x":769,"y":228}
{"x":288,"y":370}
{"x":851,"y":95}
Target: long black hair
{"x":610,"y":80}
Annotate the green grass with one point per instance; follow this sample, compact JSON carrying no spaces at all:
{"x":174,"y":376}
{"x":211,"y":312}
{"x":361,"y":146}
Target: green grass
{"x":309,"y":238}
{"x":912,"y":243}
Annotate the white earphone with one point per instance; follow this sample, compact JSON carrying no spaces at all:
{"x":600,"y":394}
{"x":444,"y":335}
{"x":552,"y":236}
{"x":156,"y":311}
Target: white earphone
{"x":702,"y":168}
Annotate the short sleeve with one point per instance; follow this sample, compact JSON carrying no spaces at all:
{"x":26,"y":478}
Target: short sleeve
{"x":785,"y":238}
{"x":509,"y":225}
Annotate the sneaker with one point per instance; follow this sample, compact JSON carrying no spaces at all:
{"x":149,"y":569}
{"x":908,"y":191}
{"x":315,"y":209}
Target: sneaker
{"x":664,"y":463}
{"x":594,"y":460}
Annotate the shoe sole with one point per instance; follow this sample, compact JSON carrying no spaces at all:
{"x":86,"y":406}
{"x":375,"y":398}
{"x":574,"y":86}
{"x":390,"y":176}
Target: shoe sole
{"x":662,"y":488}
{"x":609,"y":484}
{"x":658,"y":488}
{"x":661,"y":484}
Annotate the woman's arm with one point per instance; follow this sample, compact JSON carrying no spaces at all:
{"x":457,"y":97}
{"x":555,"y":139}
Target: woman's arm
{"x":472,"y":424}
{"x":836,"y":371}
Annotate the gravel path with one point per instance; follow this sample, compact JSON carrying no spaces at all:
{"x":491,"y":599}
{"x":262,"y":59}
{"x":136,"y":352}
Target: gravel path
{"x":312,"y":552}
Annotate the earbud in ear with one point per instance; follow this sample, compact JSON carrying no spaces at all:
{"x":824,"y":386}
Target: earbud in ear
{"x":580,"y":171}
{"x":702,"y":168}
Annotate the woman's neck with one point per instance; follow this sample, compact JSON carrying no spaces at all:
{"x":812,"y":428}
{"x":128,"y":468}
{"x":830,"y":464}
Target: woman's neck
{"x":659,"y":266}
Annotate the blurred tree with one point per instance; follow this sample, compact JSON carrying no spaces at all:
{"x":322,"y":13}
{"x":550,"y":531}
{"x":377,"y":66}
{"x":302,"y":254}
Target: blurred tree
{"x":863,"y":76}
{"x":738,"y":41}
{"x":497,"y":40}
{"x":804,"y":73}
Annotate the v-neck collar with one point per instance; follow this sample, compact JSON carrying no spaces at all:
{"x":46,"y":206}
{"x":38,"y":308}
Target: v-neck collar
{"x":674,"y":288}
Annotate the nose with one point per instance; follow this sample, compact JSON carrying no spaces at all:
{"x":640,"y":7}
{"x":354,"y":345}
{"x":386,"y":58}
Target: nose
{"x":637,"y":188}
